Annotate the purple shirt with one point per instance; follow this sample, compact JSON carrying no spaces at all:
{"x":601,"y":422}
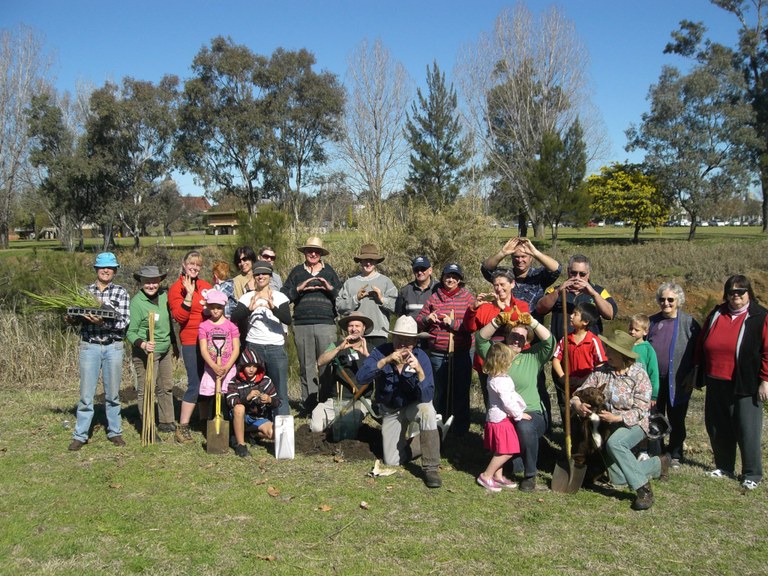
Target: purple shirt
{"x":660,"y":337}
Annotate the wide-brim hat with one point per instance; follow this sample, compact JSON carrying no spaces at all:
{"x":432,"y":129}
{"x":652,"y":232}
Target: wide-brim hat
{"x":262,"y":267}
{"x":316,"y":243}
{"x":345,"y":320}
{"x":369,"y":252}
{"x":621,"y":342}
{"x":149,"y":272}
{"x":406,"y":326}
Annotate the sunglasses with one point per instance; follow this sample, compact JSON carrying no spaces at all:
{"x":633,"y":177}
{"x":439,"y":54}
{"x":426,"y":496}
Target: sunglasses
{"x":578,"y":273}
{"x":737,"y":292}
{"x":419,"y":270}
{"x":668,"y":300}
{"x":268,"y":257}
{"x":244,"y":259}
{"x":515,"y":339}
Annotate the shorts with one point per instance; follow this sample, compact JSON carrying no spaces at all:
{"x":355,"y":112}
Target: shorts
{"x":255,"y":422}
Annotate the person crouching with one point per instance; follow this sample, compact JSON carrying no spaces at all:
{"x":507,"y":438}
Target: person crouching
{"x":251,"y":398}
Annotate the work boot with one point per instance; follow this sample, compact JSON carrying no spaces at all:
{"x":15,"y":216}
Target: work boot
{"x":430,"y":458}
{"x":644,"y":499}
{"x":117,"y":440}
{"x":182,"y":434}
{"x":76,"y":445}
{"x":665,"y":460}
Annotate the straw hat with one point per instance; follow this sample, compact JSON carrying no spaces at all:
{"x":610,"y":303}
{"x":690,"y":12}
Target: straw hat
{"x":406,"y":326}
{"x":344,"y":321}
{"x":621,"y":342}
{"x":149,"y":273}
{"x":316,"y":243}
{"x":369,"y":252}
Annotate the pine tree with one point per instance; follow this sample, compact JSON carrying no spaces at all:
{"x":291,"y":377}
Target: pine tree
{"x":439,"y":154}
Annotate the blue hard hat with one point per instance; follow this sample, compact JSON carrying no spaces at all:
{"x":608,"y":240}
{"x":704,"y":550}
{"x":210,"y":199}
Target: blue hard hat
{"x":106,"y":260}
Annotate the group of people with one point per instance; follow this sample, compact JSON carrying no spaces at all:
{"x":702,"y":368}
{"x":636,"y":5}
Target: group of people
{"x":414,"y":374}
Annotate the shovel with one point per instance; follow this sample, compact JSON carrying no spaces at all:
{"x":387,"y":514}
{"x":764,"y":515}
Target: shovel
{"x":567,"y":476}
{"x":217,"y":436}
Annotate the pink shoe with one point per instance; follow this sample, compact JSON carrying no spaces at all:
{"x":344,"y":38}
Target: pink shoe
{"x":490,"y":484}
{"x":506,"y":483}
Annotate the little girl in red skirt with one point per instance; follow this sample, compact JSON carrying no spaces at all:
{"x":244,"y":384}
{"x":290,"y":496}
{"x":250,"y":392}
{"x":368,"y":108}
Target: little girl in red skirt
{"x":504,"y":405}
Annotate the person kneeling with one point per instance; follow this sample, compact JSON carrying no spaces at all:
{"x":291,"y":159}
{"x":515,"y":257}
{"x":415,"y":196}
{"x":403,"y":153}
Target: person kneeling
{"x":405,"y":388}
{"x":251,"y":398}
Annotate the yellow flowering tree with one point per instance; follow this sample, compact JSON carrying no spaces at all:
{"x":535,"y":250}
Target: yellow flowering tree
{"x":623,"y":192}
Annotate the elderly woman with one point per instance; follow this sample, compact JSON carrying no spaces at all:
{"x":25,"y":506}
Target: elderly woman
{"x":266,"y":312}
{"x":627,"y":390}
{"x":485,"y":309}
{"x":152,"y":300}
{"x":186,"y":302}
{"x":673,"y":335}
{"x":733,"y":353}
{"x":519,"y":330}
{"x":443,"y":318}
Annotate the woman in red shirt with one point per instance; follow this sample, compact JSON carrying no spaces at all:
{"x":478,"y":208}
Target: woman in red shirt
{"x":187,"y":304}
{"x":733,"y":349}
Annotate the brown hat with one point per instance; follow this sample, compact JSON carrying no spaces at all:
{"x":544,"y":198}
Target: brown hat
{"x":316,"y":243}
{"x":369,"y":252}
{"x":344,"y":321}
{"x":622,"y":343}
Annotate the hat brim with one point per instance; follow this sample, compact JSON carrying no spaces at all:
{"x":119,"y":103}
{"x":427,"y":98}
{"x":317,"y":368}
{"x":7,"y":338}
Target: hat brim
{"x":620,"y":349}
{"x":377,"y":259}
{"x":139,"y":277}
{"x":323,"y":251}
{"x":367,"y":322}
{"x":409,"y":335}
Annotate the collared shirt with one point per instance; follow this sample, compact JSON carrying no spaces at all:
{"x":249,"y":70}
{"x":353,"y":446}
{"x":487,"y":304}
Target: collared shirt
{"x":530,"y":287}
{"x":395,"y":389}
{"x":411,"y":298}
{"x":116,"y":298}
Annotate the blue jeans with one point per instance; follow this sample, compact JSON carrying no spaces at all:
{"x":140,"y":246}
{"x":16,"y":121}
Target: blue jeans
{"x":528,"y":433}
{"x":107,"y":359}
{"x":623,"y":466}
{"x":276,"y":363}
{"x":452,"y":397}
{"x":194,"y":365}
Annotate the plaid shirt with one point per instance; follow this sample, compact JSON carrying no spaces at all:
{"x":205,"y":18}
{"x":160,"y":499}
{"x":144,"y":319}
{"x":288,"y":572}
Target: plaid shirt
{"x":530,"y":288}
{"x":115,"y":297}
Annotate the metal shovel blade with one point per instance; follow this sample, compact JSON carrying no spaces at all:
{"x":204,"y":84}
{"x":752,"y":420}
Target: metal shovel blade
{"x":217,"y":436}
{"x":568,"y":477}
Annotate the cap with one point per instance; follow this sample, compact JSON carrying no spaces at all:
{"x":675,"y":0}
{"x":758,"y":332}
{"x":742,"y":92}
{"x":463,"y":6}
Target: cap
{"x":420,"y":262}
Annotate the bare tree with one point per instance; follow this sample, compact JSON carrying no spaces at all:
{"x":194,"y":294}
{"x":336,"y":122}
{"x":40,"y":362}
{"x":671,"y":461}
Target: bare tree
{"x":374,"y":148}
{"x":23,"y":69}
{"x":525,"y":79}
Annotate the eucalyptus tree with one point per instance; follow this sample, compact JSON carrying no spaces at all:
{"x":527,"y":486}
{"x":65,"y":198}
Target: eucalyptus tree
{"x":698,"y":136}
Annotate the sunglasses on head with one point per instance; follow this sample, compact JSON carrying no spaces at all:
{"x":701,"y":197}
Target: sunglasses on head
{"x":669,"y":300}
{"x":578,"y":273}
{"x":515,"y":339}
{"x":737,"y":292}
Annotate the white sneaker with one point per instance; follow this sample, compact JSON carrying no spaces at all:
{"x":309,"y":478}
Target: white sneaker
{"x":749,"y":484}
{"x":718,"y":473}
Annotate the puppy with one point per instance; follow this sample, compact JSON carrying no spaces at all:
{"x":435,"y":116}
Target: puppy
{"x":592,"y":431}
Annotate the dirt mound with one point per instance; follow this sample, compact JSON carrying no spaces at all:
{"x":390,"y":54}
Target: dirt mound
{"x":366,"y":447}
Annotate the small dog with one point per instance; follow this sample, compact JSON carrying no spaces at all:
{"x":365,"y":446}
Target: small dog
{"x":592,"y":432}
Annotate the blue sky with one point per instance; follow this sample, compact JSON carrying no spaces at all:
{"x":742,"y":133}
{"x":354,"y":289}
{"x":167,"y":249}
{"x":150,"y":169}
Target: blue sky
{"x":98,"y":40}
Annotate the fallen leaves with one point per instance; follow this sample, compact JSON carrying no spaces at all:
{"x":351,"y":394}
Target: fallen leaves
{"x":364,"y":505}
{"x":324,"y":508}
{"x":272,"y":491}
{"x":379,"y":470}
{"x":268,"y":558}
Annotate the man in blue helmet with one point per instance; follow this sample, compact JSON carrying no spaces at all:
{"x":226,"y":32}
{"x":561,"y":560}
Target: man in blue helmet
{"x":101,"y":350}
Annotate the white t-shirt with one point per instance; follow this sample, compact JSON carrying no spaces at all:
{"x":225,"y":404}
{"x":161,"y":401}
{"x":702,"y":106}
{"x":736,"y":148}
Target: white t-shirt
{"x":263,"y":325}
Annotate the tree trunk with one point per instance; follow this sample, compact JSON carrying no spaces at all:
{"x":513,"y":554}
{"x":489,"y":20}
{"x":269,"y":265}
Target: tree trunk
{"x":554,"y":237}
{"x":522,"y":225}
{"x":636,"y":236}
{"x":692,"y":230}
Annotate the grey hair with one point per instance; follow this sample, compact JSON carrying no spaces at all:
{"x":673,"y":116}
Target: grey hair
{"x":579,"y":259}
{"x":672,"y":287}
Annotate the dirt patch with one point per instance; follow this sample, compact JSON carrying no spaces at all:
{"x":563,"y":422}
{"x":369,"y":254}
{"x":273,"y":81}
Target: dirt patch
{"x":367,"y":446}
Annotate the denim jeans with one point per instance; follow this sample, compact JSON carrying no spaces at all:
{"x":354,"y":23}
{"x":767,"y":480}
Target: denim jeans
{"x":623,"y":466}
{"x":276,"y":363}
{"x":452,"y":394}
{"x":107,"y":359}
{"x":528,"y":433}
{"x":194,"y":365}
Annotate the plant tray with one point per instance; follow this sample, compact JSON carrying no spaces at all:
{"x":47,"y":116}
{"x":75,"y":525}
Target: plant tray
{"x":101,"y":312}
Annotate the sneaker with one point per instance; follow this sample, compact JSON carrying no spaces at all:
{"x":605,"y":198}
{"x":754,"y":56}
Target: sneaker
{"x":528,"y":484}
{"x":718,"y":473}
{"x":166,"y":427}
{"x":242,"y":450}
{"x":666,"y":461}
{"x":117,"y":440}
{"x":489,"y":484}
{"x":182,"y":434}
{"x":749,"y":484}
{"x":675,"y":464}
{"x":643,"y":456}
{"x":506,"y":483}
{"x":76,"y":445}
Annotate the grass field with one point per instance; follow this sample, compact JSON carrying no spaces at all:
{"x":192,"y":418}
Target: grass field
{"x":170,"y":509}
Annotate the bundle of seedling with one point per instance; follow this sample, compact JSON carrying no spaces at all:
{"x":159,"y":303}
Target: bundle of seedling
{"x":70,"y":299}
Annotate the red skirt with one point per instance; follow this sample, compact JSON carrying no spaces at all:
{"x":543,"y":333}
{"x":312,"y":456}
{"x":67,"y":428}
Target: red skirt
{"x":501,"y":437}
